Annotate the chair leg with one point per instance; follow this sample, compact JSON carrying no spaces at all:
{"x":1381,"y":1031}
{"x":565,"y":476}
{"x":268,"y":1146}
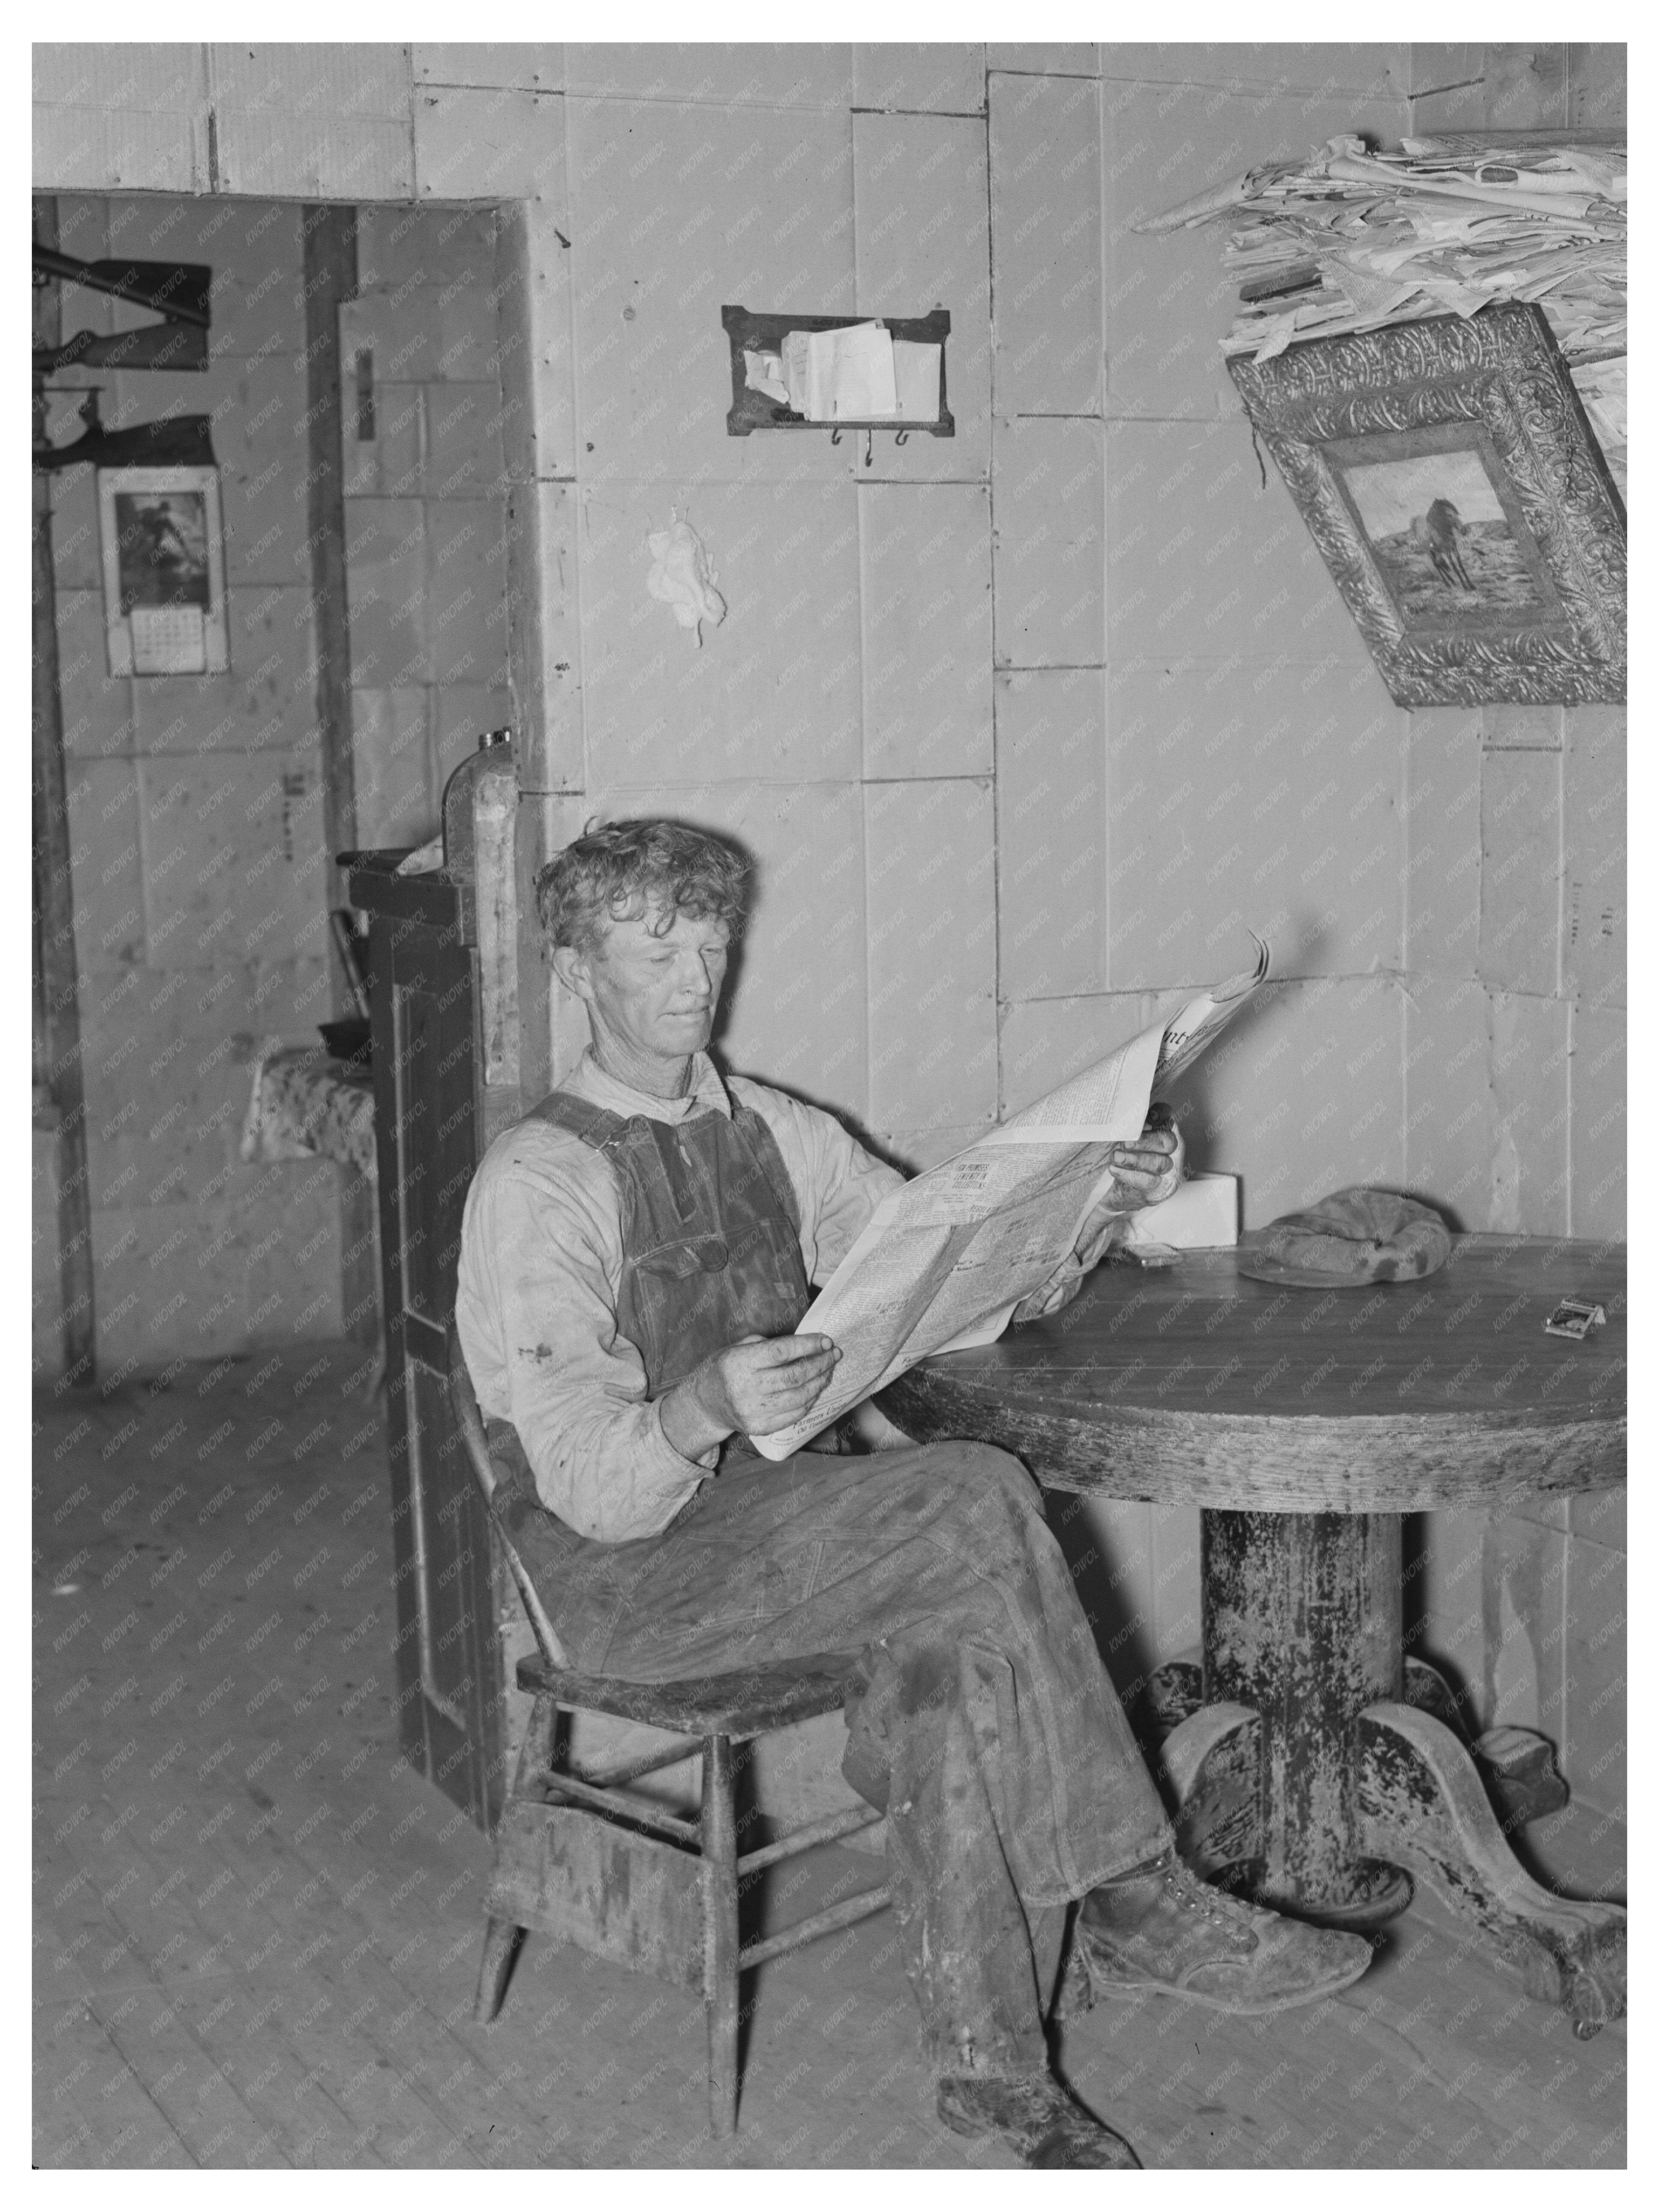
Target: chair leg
{"x":719,"y":1857}
{"x":503,"y":1941}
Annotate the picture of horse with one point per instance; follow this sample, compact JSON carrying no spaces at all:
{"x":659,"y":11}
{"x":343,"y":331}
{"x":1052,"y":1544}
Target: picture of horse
{"x":1439,"y":533}
{"x":1447,"y":549}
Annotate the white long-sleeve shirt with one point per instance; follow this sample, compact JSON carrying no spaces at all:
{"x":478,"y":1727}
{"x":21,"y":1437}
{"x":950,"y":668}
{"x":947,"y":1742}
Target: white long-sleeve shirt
{"x":541,"y":1274}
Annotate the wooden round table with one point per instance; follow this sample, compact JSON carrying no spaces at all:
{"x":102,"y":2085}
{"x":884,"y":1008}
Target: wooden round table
{"x":1310,"y":1766}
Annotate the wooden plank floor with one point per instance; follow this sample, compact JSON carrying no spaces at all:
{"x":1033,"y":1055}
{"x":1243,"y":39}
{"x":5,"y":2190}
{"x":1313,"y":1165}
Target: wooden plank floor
{"x":256,"y":1930}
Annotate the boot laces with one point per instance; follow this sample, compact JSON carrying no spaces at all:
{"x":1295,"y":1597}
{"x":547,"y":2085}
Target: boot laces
{"x":1199,"y":1896}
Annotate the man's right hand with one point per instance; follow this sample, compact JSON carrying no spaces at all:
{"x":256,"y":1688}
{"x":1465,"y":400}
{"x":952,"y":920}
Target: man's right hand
{"x":753,"y":1387}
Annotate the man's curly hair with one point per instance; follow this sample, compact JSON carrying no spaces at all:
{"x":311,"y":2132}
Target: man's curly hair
{"x":648,"y":866}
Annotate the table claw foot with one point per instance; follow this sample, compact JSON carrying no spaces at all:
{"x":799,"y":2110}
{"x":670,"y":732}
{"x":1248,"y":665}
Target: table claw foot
{"x":1422,"y":1806}
{"x":1593,"y":1999}
{"x":1212,"y":1765}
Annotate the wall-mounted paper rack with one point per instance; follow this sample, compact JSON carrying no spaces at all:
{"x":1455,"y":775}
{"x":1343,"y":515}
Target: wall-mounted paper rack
{"x":754,"y":409}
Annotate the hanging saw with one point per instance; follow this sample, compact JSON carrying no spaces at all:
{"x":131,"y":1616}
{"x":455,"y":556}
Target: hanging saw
{"x":179,"y":441}
{"x":178,"y":291}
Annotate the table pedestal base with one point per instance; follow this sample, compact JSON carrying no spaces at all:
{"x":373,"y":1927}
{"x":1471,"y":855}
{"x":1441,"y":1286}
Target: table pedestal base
{"x":1213,"y":1762}
{"x":1305,"y":1778}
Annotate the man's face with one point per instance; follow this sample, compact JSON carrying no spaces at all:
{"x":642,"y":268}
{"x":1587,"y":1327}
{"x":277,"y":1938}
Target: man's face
{"x":651,"y":997}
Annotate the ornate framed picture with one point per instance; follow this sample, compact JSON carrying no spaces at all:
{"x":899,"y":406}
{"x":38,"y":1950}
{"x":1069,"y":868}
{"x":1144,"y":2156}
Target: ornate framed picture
{"x":1450,"y":479}
{"x":164,"y":571}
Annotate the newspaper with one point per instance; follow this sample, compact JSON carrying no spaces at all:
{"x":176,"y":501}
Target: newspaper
{"x":945,"y":1260}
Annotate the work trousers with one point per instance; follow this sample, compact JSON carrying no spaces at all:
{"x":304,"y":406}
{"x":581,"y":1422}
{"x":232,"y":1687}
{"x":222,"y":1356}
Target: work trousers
{"x":980,"y":1719}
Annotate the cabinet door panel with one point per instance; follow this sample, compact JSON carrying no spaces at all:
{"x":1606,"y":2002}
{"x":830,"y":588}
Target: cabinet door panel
{"x":424,"y":993}
{"x":432,"y":1070}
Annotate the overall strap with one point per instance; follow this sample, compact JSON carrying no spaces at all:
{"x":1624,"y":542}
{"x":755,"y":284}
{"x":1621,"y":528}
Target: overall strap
{"x":601,"y":1129}
{"x":756,"y":1132}
{"x":595,"y":1125}
{"x":644,"y":1153}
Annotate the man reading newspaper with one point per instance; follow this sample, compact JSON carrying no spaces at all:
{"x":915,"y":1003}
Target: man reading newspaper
{"x":635,"y":1258}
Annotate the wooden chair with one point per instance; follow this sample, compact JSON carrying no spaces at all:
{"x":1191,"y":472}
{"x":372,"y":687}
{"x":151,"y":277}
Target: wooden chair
{"x":578,"y":1858}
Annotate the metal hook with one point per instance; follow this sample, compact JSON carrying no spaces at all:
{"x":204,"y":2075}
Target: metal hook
{"x":869,"y":449}
{"x":834,"y":436}
{"x":901,"y":437}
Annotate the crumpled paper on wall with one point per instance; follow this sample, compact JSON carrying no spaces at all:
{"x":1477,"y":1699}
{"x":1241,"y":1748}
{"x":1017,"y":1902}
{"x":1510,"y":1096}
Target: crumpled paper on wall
{"x":680,"y":576}
{"x":1349,"y":240}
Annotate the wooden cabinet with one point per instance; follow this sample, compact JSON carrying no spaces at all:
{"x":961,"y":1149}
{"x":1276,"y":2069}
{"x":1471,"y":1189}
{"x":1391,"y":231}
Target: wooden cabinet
{"x":437,"y":1020}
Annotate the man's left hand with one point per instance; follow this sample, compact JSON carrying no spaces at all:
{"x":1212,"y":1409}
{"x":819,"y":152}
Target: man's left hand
{"x":1145,"y":1171}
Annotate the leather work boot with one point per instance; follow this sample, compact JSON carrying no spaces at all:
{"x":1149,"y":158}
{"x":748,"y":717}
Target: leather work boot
{"x":1161,"y":1928}
{"x":1039,"y":2118}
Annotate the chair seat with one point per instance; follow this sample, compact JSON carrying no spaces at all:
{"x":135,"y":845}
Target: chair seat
{"x":737,"y":1705}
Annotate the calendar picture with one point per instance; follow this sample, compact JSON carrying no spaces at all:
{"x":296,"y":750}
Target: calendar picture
{"x":164,"y":585}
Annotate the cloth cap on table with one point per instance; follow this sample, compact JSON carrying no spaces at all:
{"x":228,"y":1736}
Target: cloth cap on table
{"x":1353,"y":1237}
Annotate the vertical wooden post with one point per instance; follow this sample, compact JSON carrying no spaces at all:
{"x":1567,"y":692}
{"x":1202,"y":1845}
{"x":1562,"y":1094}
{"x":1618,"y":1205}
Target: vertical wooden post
{"x":720,"y":1874}
{"x":1302,"y":1621}
{"x":330,"y":234}
{"x":58,"y":1069}
{"x":526,"y":641}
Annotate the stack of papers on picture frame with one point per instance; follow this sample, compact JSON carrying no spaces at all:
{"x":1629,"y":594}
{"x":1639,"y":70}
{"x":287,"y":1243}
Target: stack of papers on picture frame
{"x":1350,"y":240}
{"x":860,"y":374}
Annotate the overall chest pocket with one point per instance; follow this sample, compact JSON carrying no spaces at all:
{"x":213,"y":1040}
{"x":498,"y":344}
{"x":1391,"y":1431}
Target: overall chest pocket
{"x":687,"y":1256}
